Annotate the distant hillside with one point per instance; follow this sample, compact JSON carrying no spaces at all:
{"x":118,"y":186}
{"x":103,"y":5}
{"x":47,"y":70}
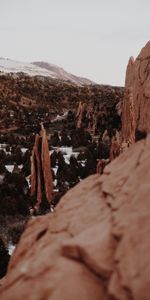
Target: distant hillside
{"x":24,"y":93}
{"x":40,"y":69}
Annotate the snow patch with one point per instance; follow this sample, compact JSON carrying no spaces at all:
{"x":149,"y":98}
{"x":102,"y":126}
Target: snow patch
{"x":40,"y":69}
{"x":11,"y":248}
{"x":11,"y":167}
{"x":24,"y":150}
{"x":11,"y":66}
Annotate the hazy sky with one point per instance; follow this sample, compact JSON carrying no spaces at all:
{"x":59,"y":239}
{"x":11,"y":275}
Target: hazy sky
{"x":91,"y":38}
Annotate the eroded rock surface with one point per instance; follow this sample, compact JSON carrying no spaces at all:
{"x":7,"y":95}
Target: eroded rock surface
{"x":96,"y":244}
{"x":136,"y":103}
{"x":41,"y":176}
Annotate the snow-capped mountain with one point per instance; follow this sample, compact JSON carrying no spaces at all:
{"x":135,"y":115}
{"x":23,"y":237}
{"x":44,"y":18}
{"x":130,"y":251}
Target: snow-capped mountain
{"x":41,"y":69}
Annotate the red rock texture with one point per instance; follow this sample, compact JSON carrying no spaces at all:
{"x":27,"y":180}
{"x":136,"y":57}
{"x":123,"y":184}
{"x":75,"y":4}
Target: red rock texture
{"x":136,"y":103}
{"x":36,"y":171}
{"x":80,"y":113}
{"x":46,"y":166}
{"x":115,"y":148}
{"x":41,"y":176}
{"x":96,"y":244}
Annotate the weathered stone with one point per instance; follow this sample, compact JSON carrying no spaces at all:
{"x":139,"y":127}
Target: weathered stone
{"x":136,"y":103}
{"x":101,"y":165}
{"x":105,"y":137}
{"x":41,"y":176}
{"x":115,"y":148}
{"x":96,"y":244}
{"x":36,"y":180}
{"x":46,"y":166}
{"x":33,"y":174}
{"x":80,"y":113}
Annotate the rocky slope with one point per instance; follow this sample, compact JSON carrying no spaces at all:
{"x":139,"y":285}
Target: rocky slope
{"x":40,"y":68}
{"x":96,"y":244}
{"x":136,"y":104}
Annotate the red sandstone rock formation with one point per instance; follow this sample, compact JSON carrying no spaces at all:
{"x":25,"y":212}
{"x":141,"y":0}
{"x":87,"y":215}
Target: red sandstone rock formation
{"x":101,"y":164}
{"x":46,"y":166}
{"x":36,"y":171}
{"x":96,"y":245}
{"x":80,"y":113}
{"x":79,"y":109}
{"x":105,"y":137}
{"x":115,"y":148}
{"x":136,"y":103}
{"x":94,"y":123}
{"x":41,"y":177}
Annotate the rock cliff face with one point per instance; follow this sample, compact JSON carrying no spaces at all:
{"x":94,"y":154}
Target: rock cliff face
{"x":136,"y":103}
{"x":96,"y":244}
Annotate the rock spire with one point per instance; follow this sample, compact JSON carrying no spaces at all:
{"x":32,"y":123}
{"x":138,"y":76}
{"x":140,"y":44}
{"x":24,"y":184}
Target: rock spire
{"x":41,"y":176}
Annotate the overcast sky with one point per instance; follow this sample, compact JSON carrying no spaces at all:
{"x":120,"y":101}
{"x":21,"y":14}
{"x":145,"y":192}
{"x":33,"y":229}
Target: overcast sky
{"x":90,"y":38}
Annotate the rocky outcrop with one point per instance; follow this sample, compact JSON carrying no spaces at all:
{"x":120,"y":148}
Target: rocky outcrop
{"x":95,"y":245}
{"x":115,"y":148}
{"x":81,"y":110}
{"x":136,"y":103}
{"x":41,"y":176}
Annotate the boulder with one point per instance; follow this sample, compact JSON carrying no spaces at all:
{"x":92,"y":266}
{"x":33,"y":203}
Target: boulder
{"x":95,"y":245}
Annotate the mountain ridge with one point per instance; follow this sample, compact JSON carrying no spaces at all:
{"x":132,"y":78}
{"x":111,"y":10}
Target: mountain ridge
{"x":41,"y":68}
